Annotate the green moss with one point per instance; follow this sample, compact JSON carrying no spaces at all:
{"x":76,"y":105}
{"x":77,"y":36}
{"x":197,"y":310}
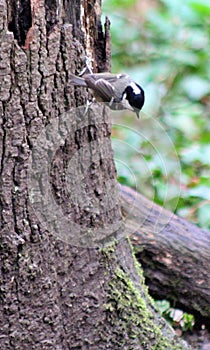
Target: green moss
{"x":132,"y":314}
{"x":109,"y":249}
{"x":127,"y":309}
{"x":141,"y":276}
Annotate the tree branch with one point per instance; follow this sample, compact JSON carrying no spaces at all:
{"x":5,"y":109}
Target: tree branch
{"x":174,"y":253}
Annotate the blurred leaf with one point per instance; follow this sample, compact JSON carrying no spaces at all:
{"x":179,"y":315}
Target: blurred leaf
{"x":200,"y":191}
{"x":195,"y":87}
{"x":201,"y":6}
{"x":203,"y":215}
{"x":188,"y":322}
{"x":185,"y":123}
{"x":162,"y":305}
{"x":165,"y":47}
{"x":197,"y":152}
{"x":107,"y":4}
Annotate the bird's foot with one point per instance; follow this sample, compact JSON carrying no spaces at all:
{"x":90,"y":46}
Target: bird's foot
{"x":88,"y":104}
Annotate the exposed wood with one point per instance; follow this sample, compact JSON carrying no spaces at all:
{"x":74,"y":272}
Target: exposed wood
{"x":174,"y":253}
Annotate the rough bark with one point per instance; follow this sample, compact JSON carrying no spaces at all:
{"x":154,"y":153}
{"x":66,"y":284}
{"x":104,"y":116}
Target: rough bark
{"x":174,"y":254}
{"x":56,"y":292}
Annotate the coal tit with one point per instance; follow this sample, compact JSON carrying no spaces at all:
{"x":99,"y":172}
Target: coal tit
{"x":119,"y":90}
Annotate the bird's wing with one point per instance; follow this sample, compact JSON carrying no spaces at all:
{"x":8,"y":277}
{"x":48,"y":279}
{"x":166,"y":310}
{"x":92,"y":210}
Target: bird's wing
{"x":77,"y":81}
{"x":101,"y":87}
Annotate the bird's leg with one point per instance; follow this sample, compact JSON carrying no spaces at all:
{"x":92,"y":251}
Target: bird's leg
{"x":111,"y":101}
{"x":88,"y":104}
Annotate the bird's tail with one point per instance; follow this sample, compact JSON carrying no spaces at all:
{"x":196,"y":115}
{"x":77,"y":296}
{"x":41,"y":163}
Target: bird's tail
{"x":77,"y":81}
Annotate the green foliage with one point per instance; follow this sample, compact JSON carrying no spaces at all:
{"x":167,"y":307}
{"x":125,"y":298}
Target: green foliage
{"x":177,"y":318}
{"x":167,"y":49}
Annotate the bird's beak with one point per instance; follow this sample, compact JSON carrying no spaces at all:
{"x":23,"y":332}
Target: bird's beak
{"x":137,"y":113}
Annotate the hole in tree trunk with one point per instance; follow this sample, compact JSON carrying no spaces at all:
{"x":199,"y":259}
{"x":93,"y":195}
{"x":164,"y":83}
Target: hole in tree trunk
{"x":20,"y":19}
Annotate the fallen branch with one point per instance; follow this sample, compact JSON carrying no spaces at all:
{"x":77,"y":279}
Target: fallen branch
{"x":174,"y":253}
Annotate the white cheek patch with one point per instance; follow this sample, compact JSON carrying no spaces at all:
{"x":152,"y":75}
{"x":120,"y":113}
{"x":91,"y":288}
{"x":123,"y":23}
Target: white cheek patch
{"x":125,"y":103}
{"x":135,"y":88}
{"x":124,"y":96}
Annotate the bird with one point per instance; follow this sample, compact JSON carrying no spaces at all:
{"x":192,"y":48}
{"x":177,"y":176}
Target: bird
{"x":118,"y":90}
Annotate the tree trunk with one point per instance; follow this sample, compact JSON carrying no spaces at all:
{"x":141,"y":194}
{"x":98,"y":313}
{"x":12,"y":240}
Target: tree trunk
{"x":68,"y":277}
{"x":174,"y":254}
